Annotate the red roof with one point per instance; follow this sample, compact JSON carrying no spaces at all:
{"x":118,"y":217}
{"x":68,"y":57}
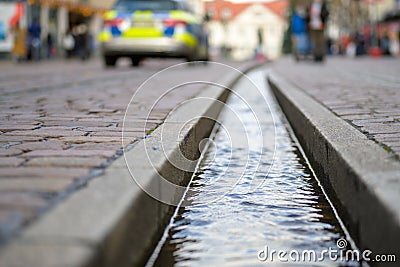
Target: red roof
{"x":217,"y":8}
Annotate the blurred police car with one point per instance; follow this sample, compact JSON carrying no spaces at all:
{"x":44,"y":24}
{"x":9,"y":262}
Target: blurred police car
{"x":152,"y":28}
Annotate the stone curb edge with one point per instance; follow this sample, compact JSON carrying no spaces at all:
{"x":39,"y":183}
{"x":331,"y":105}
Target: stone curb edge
{"x":112,"y":222}
{"x":361,"y":178}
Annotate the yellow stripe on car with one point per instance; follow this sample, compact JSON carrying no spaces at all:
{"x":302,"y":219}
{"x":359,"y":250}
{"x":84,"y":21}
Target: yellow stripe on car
{"x":136,"y":32}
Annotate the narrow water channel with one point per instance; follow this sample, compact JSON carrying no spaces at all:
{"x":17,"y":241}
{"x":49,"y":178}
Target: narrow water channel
{"x":252,"y":192}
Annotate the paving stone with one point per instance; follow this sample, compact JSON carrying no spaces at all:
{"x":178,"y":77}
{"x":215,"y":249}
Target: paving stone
{"x":364,"y":116}
{"x":113,"y":146}
{"x":47,"y":133}
{"x":7,"y":152}
{"x":45,"y":145}
{"x":65,"y":162}
{"x":22,"y":123}
{"x":20,"y":199}
{"x":353,"y":111}
{"x":388,"y":136}
{"x":37,"y":184}
{"x":10,"y":162}
{"x":22,"y":138}
{"x":381,"y":128}
{"x":50,"y":123}
{"x":14,"y":127}
{"x":50,"y":172}
{"x":117,"y":135}
{"x":371,"y":121}
{"x":69,"y":153}
{"x":90,"y":139}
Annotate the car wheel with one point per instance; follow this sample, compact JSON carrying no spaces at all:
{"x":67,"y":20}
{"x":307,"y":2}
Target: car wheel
{"x":190,"y":59}
{"x":110,"y":61}
{"x":205,"y":59}
{"x":194,"y":56}
{"x":135,"y":61}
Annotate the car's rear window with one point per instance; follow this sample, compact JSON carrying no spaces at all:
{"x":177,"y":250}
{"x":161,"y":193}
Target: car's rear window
{"x":159,"y":5}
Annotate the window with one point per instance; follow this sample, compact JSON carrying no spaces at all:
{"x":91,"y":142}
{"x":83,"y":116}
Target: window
{"x":186,"y":7}
{"x":226,"y":13}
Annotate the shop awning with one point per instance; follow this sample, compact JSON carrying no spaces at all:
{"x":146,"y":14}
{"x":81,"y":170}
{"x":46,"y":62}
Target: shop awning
{"x":86,"y":8}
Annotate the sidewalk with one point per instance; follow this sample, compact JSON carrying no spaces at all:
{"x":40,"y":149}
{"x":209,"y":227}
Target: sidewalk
{"x":346,"y":115}
{"x":364,"y":92}
{"x":61,"y":124}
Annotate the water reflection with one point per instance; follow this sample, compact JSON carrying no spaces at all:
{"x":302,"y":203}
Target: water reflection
{"x":228,"y":227}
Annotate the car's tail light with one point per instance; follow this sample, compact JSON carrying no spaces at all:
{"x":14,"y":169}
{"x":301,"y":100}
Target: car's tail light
{"x":113,"y":22}
{"x":120,"y":24}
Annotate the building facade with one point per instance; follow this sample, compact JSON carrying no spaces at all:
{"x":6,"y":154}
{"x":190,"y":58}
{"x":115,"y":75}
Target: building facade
{"x":247,"y":28}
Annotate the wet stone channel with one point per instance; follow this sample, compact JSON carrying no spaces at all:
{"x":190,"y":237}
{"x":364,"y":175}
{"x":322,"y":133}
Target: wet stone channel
{"x":253,"y":192}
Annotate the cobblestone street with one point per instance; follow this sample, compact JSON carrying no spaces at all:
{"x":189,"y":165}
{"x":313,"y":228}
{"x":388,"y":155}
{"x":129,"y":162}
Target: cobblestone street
{"x":170,"y":133}
{"x":61,"y":125}
{"x":63,"y":131}
{"x":364,"y":92}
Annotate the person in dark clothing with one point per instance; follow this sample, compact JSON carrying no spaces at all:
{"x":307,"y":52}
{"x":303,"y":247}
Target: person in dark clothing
{"x":82,"y":42}
{"x":260,"y":37}
{"x":50,"y":45}
{"x":317,"y":17}
{"x":259,"y":50}
{"x":34,"y":40}
{"x":385,"y":44}
{"x":360,"y":43}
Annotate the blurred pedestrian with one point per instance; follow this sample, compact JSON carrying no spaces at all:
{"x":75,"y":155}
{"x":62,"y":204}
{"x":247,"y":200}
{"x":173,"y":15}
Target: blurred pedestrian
{"x":300,"y":41}
{"x":68,"y":44}
{"x":206,"y":34}
{"x":91,"y":44}
{"x":82,"y":41}
{"x":360,"y":43}
{"x":394,"y":44}
{"x":34,"y":40}
{"x":260,"y":57}
{"x":50,"y":46}
{"x":317,"y":17}
{"x":385,"y":44}
{"x":351,"y":49}
{"x":19,"y":50}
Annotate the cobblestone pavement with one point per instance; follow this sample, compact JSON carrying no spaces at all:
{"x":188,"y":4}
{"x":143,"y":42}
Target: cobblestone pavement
{"x":61,"y":125}
{"x":365,"y":92}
